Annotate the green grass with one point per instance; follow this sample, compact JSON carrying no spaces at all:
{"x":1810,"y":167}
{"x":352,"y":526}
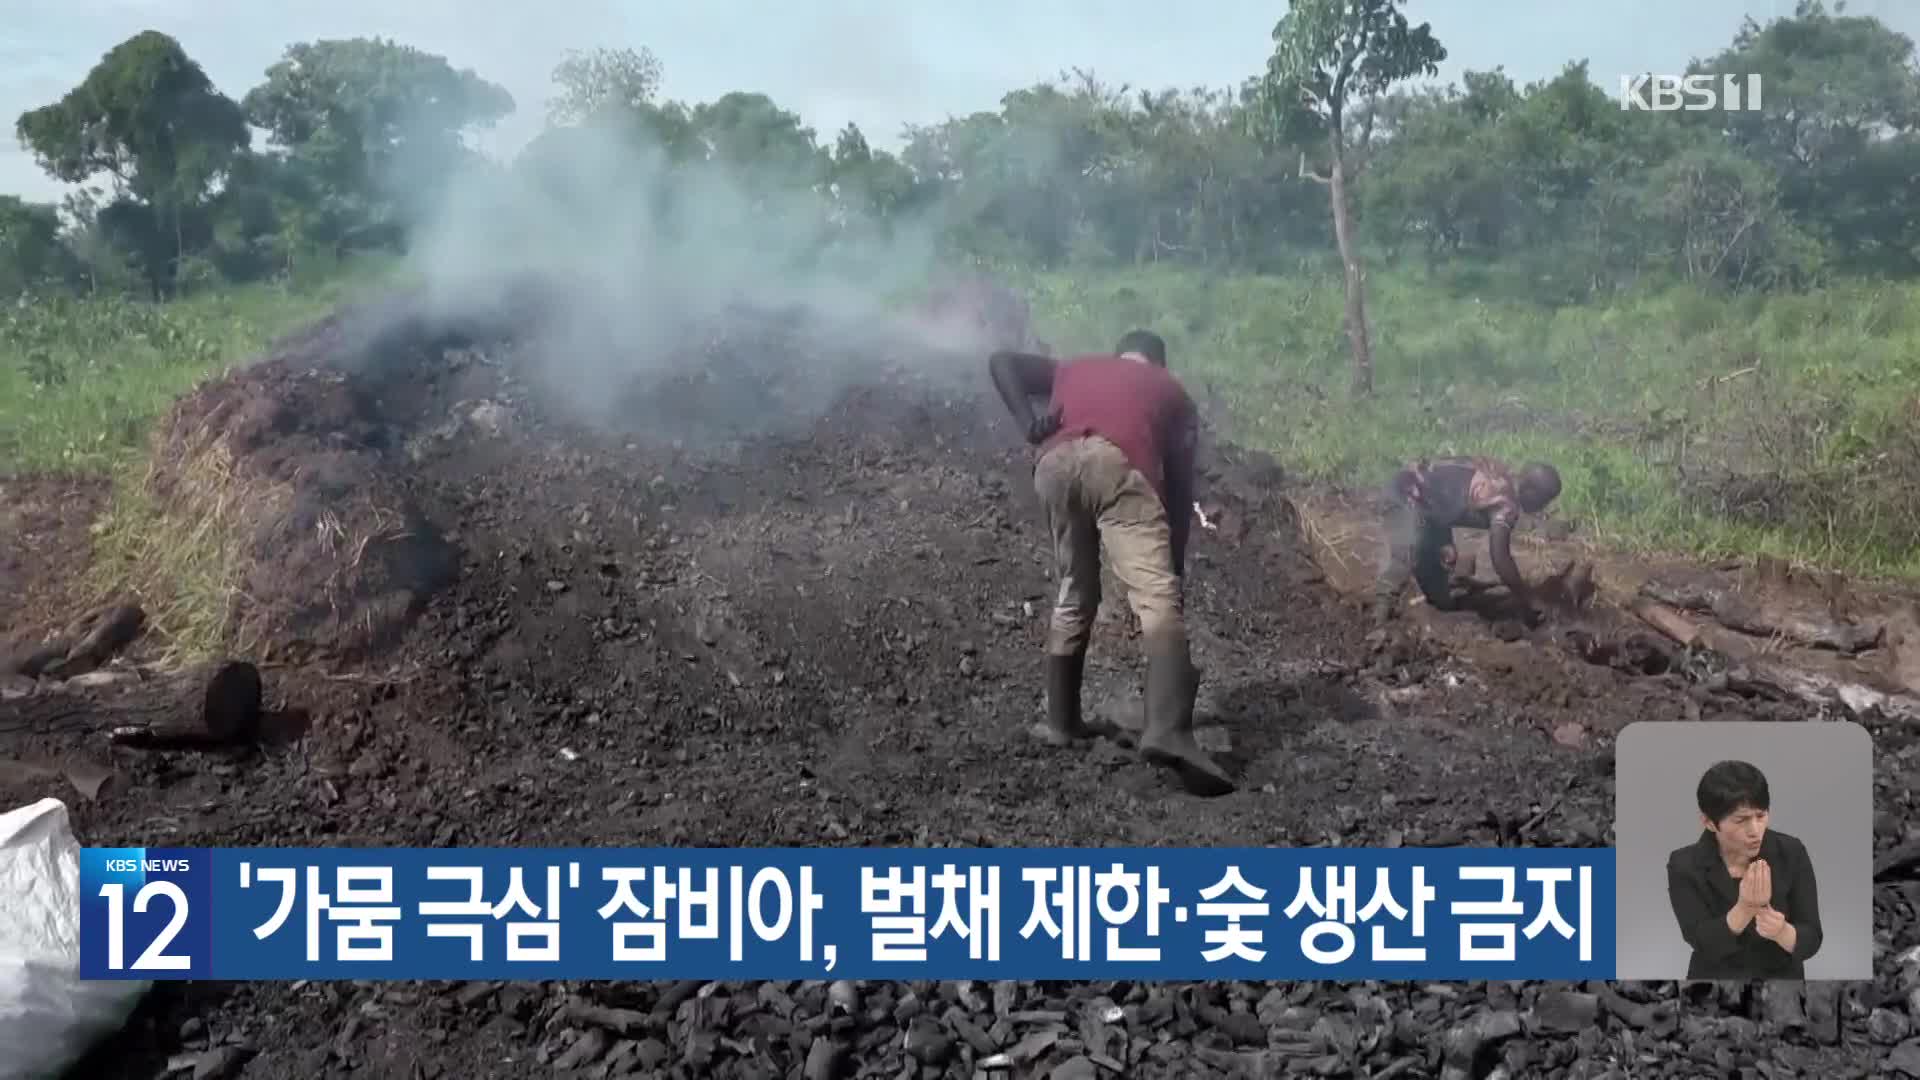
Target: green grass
{"x":82,"y":380}
{"x":1648,"y":405}
{"x":182,"y":564}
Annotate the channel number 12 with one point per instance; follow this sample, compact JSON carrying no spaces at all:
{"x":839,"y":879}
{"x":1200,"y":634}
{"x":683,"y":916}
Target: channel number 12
{"x":154,"y":958}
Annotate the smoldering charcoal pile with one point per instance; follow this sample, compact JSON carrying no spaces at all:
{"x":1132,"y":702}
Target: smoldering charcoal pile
{"x":830,"y":635}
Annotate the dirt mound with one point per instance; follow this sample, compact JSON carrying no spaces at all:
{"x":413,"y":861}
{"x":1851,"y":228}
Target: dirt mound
{"x":43,"y":525}
{"x":759,"y":373}
{"x":294,"y":469}
{"x":282,"y":490}
{"x":285,"y":472}
{"x":829,"y":632}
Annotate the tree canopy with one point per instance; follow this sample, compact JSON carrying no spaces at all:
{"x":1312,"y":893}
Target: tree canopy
{"x":1549,"y":188}
{"x":148,"y":117}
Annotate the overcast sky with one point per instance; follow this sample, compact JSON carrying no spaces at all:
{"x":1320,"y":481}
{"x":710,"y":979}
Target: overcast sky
{"x":878,"y":63}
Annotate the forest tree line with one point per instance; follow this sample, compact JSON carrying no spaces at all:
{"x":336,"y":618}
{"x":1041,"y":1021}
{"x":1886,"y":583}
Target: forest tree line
{"x":1551,"y":187}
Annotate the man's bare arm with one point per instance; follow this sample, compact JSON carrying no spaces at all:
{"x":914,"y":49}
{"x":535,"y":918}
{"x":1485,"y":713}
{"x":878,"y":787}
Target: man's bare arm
{"x":1179,"y":479}
{"x":1500,"y":547}
{"x":1019,"y":378}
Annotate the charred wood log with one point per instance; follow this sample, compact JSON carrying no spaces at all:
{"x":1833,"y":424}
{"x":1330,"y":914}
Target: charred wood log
{"x":1786,"y":683}
{"x":1756,"y":676}
{"x":85,"y":644}
{"x":1767,"y":615}
{"x":214,"y":704}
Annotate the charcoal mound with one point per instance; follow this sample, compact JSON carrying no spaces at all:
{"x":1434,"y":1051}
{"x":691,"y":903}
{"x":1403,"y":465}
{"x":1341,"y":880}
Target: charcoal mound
{"x":284,"y":470}
{"x":289,"y":473}
{"x":827,"y":630}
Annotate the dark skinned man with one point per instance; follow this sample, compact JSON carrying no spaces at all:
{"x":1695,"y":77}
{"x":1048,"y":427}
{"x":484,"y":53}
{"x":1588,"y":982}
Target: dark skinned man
{"x":1430,"y":498}
{"x":1116,"y":470}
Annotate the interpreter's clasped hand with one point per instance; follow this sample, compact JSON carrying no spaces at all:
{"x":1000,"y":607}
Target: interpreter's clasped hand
{"x":1769,"y":923}
{"x":1756,"y":886}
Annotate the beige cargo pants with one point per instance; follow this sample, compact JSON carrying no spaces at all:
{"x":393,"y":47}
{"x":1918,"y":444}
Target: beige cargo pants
{"x":1095,"y":497}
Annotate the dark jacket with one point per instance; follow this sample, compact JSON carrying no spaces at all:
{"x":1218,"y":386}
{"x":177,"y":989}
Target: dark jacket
{"x":1702,"y":892}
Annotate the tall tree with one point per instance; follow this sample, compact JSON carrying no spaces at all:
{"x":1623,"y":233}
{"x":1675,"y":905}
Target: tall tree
{"x":601,"y":79}
{"x":1839,"y":124}
{"x":374,"y":126}
{"x":148,"y":117}
{"x":751,"y":135}
{"x":1330,"y":56}
{"x":870,"y":185}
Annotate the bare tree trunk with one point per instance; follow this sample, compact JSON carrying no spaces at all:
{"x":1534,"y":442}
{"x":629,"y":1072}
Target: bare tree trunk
{"x":179,"y":253}
{"x":1356,"y":278}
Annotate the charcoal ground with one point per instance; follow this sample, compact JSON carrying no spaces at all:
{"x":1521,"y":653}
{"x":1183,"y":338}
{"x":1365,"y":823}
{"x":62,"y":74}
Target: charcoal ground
{"x":831,"y":635}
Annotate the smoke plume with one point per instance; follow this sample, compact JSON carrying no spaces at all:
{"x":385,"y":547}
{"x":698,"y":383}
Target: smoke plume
{"x":646,"y":269}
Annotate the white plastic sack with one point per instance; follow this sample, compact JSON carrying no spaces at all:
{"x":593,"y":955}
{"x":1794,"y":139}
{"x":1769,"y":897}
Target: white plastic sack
{"x":48,"y":1017}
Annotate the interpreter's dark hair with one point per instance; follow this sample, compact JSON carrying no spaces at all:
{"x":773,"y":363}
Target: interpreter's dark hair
{"x":1729,"y":786}
{"x":1146,"y":343}
{"x":1539,"y":484}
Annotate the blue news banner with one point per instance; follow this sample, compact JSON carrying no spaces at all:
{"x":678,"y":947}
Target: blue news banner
{"x":873,"y":913}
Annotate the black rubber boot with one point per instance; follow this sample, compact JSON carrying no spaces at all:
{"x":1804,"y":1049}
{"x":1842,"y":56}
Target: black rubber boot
{"x":1172,"y":682}
{"x":1064,"y":676}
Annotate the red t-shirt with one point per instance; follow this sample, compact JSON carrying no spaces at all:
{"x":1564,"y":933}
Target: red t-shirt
{"x":1140,"y":408}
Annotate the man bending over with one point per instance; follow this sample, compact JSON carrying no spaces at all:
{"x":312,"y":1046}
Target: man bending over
{"x":1430,"y":498}
{"x":1116,"y":469}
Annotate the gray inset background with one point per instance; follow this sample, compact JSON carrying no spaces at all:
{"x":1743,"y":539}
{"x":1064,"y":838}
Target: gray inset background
{"x":1820,"y":777}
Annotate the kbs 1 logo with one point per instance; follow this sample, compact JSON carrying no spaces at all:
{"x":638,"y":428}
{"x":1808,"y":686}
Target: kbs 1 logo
{"x":1690,"y":93}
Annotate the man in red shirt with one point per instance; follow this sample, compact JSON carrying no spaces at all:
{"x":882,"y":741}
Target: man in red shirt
{"x":1116,"y":467}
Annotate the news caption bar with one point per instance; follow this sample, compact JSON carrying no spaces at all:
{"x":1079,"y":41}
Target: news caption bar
{"x":847,"y":913}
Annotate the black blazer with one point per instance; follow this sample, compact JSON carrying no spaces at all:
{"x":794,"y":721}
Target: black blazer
{"x":1702,"y":892}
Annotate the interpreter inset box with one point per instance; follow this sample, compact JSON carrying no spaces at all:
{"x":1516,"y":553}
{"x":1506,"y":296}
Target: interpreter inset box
{"x":1745,"y":851}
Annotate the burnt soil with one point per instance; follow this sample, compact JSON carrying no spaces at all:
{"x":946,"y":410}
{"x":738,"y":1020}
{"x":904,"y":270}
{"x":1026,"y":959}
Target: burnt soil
{"x":832,"y":636}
